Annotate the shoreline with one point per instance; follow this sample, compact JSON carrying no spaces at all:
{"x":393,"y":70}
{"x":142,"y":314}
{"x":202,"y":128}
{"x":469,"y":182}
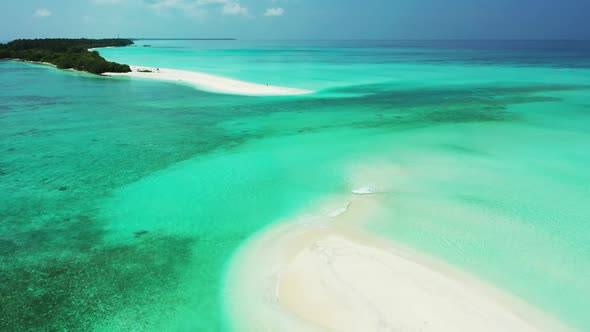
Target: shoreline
{"x":324,"y":273}
{"x":37,"y":63}
{"x":41,"y":63}
{"x":211,"y":83}
{"x":201,"y":81}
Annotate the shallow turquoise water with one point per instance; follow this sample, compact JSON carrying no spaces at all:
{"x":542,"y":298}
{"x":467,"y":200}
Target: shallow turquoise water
{"x":123,"y":200}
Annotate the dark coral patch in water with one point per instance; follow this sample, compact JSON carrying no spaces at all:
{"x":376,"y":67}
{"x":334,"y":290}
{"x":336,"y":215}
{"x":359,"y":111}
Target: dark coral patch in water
{"x":74,"y":292}
{"x":140,"y":233}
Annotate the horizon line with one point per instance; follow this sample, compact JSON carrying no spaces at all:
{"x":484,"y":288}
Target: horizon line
{"x":312,"y":39}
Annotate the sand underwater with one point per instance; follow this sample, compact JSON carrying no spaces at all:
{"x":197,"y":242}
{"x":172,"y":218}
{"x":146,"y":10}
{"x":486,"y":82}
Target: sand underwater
{"x":125,"y":201}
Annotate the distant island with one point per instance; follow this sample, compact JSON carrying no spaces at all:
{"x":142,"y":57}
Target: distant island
{"x":66,"y":53}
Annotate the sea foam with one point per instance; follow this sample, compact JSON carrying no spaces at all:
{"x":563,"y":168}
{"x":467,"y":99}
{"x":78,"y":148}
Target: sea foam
{"x":364,"y":191}
{"x":339,"y":212}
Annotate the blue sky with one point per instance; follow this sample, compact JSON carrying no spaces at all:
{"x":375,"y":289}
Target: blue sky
{"x":259,"y":19}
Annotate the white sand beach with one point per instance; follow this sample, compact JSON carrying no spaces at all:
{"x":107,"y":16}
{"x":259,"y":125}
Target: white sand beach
{"x":210,"y":83}
{"x":321,"y":272}
{"x":38,"y":63}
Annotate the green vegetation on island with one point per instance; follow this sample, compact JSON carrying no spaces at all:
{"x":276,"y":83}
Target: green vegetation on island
{"x":66,"y":53}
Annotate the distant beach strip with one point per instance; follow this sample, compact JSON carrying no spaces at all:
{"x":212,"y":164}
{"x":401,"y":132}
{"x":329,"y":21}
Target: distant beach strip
{"x":211,"y":83}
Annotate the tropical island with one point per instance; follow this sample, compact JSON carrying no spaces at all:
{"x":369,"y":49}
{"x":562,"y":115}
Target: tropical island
{"x":66,"y":53}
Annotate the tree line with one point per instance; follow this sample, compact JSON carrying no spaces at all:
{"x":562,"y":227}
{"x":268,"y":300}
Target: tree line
{"x":66,"y":53}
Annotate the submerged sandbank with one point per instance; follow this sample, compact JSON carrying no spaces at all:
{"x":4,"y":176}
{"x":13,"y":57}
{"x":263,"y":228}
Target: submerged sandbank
{"x":322,"y":272}
{"x":211,"y":83}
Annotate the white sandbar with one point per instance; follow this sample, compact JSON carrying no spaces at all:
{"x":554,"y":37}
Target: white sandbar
{"x":322,"y":274}
{"x":211,"y":83}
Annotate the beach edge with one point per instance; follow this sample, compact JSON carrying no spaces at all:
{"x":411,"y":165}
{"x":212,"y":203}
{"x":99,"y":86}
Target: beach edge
{"x":210,"y":83}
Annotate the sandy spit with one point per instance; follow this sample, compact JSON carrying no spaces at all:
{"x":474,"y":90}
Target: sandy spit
{"x":210,"y":83}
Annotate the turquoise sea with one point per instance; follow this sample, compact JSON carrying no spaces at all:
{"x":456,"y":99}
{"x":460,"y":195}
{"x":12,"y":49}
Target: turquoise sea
{"x":123,"y":200}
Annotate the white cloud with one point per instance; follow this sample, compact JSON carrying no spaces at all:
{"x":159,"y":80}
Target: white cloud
{"x":208,"y":2}
{"x":234,"y":8}
{"x":191,"y":8}
{"x":106,"y":1}
{"x":195,"y":7}
{"x":274,"y":11}
{"x":41,"y":12}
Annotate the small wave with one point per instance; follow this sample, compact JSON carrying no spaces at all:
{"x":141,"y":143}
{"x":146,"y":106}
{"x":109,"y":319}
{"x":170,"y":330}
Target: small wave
{"x":339,"y":212}
{"x":364,"y":191}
